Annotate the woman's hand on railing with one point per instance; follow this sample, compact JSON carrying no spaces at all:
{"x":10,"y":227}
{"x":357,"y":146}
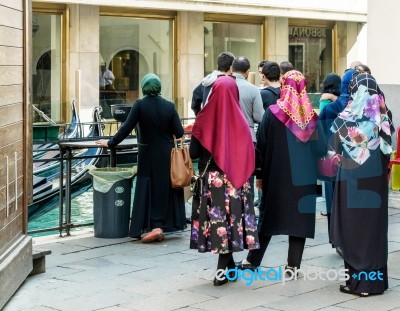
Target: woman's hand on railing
{"x":102,"y":143}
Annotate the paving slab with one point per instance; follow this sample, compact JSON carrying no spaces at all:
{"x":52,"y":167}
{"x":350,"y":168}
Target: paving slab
{"x":87,"y":273}
{"x":235,"y":302}
{"x":167,"y":302}
{"x":389,"y":301}
{"x":313,"y":300}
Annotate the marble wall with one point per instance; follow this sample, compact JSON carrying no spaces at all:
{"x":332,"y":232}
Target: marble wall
{"x":84,"y":59}
{"x":84,"y":52}
{"x":190,"y":56}
{"x":383,"y":50}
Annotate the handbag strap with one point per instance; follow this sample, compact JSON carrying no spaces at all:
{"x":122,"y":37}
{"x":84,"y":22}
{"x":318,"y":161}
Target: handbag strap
{"x":205,"y":169}
{"x":176,"y":142}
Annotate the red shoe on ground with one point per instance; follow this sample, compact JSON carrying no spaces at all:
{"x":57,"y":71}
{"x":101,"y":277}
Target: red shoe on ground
{"x":156,"y":235}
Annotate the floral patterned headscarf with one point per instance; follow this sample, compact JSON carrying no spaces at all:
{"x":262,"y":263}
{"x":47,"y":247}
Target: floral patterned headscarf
{"x":364,"y":125}
{"x":294,"y":108}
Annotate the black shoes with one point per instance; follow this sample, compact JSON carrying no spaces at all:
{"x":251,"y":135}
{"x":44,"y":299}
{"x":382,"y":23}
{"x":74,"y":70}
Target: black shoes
{"x":225,"y":280}
{"x":220,"y":282}
{"x":345,"y":289}
{"x":241,"y":266}
{"x":292,"y":272}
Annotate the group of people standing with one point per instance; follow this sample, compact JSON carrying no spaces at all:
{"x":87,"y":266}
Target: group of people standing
{"x":281,"y":154}
{"x":354,"y":122}
{"x":287,"y":145}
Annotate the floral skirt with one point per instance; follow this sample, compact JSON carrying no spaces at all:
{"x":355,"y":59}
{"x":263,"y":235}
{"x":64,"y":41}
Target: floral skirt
{"x":223,"y":218}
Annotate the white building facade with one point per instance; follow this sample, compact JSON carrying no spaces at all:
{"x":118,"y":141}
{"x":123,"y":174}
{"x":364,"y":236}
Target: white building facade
{"x":180,"y":41}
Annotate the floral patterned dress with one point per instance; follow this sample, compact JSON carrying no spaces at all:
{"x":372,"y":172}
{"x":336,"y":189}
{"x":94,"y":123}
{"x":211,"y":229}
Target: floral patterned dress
{"x":223,"y":218}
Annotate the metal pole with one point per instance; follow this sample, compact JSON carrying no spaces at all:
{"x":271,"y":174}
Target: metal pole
{"x":113,"y":157}
{"x":68,"y":192}
{"x":61,"y":191}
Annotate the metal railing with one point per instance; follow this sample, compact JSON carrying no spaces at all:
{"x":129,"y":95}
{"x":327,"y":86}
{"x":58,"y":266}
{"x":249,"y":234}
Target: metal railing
{"x":109,"y":128}
{"x":48,"y":155}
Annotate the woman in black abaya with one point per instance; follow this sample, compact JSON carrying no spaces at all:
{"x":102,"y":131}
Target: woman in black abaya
{"x":359,"y":221}
{"x":157,"y":207}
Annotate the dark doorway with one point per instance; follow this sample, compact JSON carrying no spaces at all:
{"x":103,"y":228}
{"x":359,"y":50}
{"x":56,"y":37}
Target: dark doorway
{"x":125,"y":66}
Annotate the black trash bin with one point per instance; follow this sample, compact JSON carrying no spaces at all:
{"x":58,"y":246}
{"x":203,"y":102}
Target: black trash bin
{"x":111,"y":201}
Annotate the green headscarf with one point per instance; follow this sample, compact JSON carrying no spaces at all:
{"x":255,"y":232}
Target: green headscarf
{"x":151,"y":85}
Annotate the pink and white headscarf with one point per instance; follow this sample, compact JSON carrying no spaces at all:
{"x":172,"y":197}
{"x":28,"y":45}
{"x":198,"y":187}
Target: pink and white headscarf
{"x":294,"y":108}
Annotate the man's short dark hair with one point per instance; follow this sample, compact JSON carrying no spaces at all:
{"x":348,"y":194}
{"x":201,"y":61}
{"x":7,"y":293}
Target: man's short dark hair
{"x":363,"y":68}
{"x":224,"y":61}
{"x":285,"y":67}
{"x":271,"y":71}
{"x":262,"y":63}
{"x":240,"y":64}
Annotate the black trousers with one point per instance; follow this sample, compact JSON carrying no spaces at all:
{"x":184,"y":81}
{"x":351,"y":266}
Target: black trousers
{"x":225,"y":261}
{"x":295,"y":252}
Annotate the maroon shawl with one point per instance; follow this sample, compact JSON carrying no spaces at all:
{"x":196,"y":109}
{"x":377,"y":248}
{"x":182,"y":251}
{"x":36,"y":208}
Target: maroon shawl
{"x":222,"y":129}
{"x":294,"y":108}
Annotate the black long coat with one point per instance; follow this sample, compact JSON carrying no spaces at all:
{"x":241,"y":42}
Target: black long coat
{"x":156,"y":204}
{"x":359,"y":221}
{"x":289,"y":179}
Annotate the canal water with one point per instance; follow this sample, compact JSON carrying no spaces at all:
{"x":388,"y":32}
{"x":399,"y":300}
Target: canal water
{"x":81,"y":213}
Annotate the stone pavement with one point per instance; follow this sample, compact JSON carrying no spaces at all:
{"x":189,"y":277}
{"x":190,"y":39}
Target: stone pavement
{"x":87,"y":273}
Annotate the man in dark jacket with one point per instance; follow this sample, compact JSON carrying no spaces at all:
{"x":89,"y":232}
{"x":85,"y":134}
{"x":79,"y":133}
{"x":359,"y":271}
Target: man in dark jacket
{"x":271,"y":86}
{"x":200,"y":93}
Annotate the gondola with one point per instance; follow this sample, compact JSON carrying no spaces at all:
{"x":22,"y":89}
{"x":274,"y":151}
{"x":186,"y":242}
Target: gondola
{"x":46,"y":154}
{"x":46,"y":181}
{"x":45,"y":150}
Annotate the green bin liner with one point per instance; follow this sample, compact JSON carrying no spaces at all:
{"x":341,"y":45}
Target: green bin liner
{"x":104,"y":178}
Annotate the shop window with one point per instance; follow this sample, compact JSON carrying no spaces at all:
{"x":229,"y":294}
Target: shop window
{"x":296,"y":55}
{"x":310,"y":51}
{"x":46,"y":74}
{"x":239,"y":38}
{"x":132,"y":47}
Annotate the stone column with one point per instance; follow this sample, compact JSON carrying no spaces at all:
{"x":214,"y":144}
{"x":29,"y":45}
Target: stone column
{"x":350,"y":44}
{"x":84,"y":57}
{"x":190,"y":58}
{"x":276,"y":39}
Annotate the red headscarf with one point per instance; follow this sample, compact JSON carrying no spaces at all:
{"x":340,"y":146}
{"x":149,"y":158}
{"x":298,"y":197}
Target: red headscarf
{"x":294,"y":108}
{"x":222,"y":129}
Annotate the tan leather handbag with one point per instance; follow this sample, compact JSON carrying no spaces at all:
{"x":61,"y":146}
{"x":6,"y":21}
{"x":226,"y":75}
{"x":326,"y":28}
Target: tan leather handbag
{"x":181,"y":170}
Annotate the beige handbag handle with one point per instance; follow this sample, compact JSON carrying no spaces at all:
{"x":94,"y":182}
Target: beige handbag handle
{"x":176,"y":142}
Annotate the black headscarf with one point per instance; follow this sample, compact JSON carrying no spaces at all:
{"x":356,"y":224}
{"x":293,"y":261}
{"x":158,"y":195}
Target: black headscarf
{"x":331,"y":84}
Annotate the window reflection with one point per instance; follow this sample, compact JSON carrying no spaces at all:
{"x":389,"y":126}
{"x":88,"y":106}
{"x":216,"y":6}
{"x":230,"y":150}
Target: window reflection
{"x":132,"y":47}
{"x":239,"y":38}
{"x":310,"y":51}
